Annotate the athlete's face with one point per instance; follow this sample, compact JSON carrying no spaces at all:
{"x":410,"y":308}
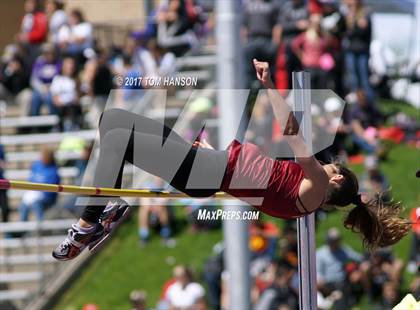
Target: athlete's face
{"x":333,"y":174}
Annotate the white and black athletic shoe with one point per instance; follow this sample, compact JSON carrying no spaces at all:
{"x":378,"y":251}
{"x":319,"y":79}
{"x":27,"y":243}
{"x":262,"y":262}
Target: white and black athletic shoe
{"x":114,"y":213}
{"x":76,"y":241}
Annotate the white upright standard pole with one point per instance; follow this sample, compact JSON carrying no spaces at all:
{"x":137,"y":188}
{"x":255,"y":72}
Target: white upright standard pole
{"x":236,"y":254}
{"x":306,"y":224}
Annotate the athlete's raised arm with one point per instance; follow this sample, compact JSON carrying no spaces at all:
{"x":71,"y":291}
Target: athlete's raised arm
{"x":290,"y":128}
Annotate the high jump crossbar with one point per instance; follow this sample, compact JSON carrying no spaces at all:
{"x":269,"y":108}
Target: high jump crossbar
{"x":305,"y":224}
{"x":97,"y":191}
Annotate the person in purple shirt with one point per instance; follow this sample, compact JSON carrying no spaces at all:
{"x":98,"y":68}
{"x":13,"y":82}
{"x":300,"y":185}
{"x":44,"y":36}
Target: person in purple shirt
{"x":43,"y":171}
{"x":45,"y":68}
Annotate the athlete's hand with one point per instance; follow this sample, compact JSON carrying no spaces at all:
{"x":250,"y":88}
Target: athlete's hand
{"x":204,"y":144}
{"x":263,"y":73}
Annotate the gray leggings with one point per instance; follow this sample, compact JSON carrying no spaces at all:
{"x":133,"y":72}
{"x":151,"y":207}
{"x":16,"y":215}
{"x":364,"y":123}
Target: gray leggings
{"x":156,"y":149}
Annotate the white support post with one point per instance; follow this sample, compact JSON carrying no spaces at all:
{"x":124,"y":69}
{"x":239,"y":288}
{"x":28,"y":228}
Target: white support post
{"x":306,"y":224}
{"x":236,"y":254}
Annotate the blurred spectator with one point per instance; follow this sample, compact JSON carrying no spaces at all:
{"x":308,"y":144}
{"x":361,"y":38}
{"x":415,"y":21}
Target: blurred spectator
{"x":176,"y":19}
{"x":260,"y":34}
{"x":33,"y":30}
{"x":4,"y":202}
{"x":154,"y":213}
{"x":313,"y":50}
{"x":414,"y":258}
{"x":380,"y":268}
{"x":337,"y":269}
{"x":333,"y":20}
{"x":74,"y":144}
{"x":135,"y":47}
{"x":326,"y":303}
{"x":212,"y":273}
{"x":334,"y":23}
{"x":280,"y":294}
{"x":65,"y":97}
{"x":131,"y":91}
{"x":288,"y":245}
{"x":98,"y":85}
{"x":264,"y":278}
{"x":44,"y":170}
{"x":184,"y":293}
{"x":157,"y":61}
{"x":356,"y":44}
{"x":76,"y":37}
{"x":57,"y":18}
{"x":336,"y":120}
{"x":163,"y":303}
{"x":138,"y":300}
{"x":263,"y":238}
{"x":293,"y":19}
{"x":373,"y":181}
{"x":364,"y":118}
{"x":14,"y":81}
{"x":46,"y":67}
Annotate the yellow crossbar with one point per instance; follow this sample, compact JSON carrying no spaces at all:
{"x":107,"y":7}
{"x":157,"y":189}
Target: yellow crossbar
{"x":96,"y":191}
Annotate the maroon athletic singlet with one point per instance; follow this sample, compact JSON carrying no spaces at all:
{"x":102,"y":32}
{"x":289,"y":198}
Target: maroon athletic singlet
{"x":271,"y":186}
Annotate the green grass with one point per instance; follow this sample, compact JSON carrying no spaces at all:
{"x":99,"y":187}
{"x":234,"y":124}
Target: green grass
{"x":389,"y":106}
{"x":123,"y":266}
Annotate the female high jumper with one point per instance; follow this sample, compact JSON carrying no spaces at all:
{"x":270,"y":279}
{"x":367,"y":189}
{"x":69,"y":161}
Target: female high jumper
{"x":289,"y":189}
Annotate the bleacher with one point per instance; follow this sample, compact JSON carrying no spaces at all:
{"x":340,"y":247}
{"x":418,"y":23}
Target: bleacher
{"x":26,"y":265}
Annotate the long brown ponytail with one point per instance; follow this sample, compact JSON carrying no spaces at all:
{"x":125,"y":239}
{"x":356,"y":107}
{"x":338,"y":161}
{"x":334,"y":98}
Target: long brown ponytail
{"x":379,"y":222}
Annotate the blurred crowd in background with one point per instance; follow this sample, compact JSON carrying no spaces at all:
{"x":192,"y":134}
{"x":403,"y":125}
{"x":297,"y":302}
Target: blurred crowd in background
{"x":344,"y":276}
{"x":57,"y":67}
